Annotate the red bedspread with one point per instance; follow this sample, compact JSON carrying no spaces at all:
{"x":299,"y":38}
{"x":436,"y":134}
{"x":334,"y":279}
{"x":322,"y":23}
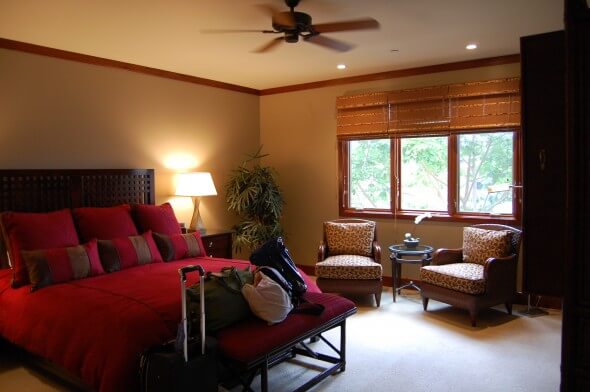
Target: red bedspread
{"x":97,"y":328}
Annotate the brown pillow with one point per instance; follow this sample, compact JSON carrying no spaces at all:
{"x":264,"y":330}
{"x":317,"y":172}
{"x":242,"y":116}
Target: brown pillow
{"x":480,"y":244}
{"x":350,"y":238}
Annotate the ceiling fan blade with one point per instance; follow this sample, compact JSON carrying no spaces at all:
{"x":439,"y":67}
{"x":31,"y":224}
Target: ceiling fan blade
{"x":223,"y":31}
{"x":330,"y":43}
{"x":358,"y":24}
{"x":272,"y":44}
{"x":283,"y":18}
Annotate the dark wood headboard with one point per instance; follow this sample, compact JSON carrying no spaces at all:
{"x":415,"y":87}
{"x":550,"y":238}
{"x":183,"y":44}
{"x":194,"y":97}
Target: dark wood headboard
{"x":33,"y":190}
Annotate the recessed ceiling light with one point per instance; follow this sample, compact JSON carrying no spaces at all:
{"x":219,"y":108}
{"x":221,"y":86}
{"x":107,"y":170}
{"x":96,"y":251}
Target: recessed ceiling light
{"x":341,"y":66}
{"x":471,"y":46}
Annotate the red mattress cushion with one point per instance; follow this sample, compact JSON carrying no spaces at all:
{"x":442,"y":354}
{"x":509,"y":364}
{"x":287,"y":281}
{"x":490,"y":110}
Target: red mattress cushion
{"x":58,"y":265}
{"x":33,"y":231}
{"x":159,"y":219}
{"x":180,"y":246}
{"x":121,"y":253}
{"x":235,"y":342}
{"x":104,"y":223}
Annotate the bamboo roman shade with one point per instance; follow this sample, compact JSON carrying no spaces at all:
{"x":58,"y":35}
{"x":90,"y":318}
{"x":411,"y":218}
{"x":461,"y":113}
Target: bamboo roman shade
{"x":364,"y":114}
{"x":431,"y":110}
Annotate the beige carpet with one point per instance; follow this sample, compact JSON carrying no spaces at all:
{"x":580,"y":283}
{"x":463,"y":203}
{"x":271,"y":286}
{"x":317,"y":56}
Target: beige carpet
{"x":400,"y":347}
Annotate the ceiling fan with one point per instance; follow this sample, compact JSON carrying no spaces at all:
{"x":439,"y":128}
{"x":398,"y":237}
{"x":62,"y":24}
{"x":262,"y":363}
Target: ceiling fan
{"x":294,"y":25}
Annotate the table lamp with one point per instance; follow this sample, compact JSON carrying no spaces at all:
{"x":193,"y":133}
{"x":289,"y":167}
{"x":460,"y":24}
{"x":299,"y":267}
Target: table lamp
{"x":195,"y":185}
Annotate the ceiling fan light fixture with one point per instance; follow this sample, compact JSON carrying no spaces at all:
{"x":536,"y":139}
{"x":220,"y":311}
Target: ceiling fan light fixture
{"x":291,"y":37}
{"x":471,"y":46}
{"x":341,"y":66}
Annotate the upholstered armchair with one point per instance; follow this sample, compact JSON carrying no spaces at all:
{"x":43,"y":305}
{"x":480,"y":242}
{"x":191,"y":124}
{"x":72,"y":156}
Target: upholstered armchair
{"x":349,"y":258}
{"x":479,"y":275}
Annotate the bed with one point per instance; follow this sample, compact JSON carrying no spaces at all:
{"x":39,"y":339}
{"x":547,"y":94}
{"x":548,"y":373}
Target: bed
{"x":93,"y":331}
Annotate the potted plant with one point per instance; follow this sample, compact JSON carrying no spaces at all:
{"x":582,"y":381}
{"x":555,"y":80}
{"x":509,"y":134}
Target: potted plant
{"x":253,"y":193}
{"x":409,"y":240}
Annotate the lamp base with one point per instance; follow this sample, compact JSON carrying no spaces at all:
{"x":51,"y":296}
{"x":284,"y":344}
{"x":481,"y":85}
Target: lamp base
{"x":197,"y":221}
{"x":531,"y":311}
{"x":201,"y":231}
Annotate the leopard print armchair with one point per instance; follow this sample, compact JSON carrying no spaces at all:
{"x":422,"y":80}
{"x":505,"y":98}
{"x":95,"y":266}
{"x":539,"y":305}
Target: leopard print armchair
{"x":479,"y":275}
{"x":349,"y":258}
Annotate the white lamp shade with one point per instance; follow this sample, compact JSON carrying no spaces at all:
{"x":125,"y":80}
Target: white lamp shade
{"x":195,"y":184}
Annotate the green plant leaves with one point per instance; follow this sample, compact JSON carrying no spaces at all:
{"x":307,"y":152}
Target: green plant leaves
{"x":254,"y":195}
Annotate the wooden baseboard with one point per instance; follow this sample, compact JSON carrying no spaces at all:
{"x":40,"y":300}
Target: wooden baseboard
{"x":537,"y":301}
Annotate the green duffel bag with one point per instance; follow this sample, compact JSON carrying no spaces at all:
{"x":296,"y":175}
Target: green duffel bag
{"x":224,"y":303}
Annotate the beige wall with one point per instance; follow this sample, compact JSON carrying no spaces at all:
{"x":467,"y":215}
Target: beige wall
{"x":298,"y":130}
{"x":62,"y":114}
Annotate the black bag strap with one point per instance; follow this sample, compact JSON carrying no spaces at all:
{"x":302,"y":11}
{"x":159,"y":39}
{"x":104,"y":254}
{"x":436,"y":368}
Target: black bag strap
{"x":307,"y":307}
{"x":275,"y":275}
{"x":301,"y":304}
{"x":274,"y":253}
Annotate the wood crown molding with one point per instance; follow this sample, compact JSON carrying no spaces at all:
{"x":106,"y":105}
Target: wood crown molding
{"x":401,"y":73}
{"x":88,"y":59}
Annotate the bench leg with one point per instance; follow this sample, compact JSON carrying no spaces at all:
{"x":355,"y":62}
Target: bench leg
{"x":343,"y":345}
{"x":264,"y":376}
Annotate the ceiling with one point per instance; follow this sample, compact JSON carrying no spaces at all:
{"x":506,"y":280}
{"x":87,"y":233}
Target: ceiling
{"x":168,"y":34}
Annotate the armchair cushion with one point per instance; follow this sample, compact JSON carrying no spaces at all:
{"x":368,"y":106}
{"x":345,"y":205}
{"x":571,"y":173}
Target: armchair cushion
{"x":480,"y":244}
{"x":465,"y":277}
{"x":350,"y":238}
{"x":348,"y":267}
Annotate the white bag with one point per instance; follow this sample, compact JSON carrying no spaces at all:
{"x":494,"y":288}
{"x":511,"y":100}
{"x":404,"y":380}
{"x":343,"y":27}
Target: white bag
{"x":267,"y":299}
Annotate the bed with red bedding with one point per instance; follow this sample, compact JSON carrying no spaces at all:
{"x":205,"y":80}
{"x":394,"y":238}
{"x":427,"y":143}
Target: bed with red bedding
{"x":95,"y":329}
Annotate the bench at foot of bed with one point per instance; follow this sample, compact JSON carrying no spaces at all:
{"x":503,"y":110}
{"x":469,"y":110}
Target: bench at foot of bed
{"x":252,"y":347}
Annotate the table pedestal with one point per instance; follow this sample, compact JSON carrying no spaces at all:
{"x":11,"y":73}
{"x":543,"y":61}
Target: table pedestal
{"x":400,"y":254}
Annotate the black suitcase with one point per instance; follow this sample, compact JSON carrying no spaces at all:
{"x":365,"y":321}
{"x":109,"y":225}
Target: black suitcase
{"x":193,"y":366}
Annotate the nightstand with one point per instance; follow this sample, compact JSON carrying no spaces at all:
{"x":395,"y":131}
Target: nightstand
{"x":218,"y":243}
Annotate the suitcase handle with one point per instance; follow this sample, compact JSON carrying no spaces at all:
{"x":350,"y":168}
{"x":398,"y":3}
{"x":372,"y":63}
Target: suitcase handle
{"x":190,"y":268}
{"x":182,"y":272}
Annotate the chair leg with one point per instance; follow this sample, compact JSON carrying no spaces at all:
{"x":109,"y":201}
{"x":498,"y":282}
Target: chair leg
{"x":378,"y":298}
{"x":473,"y":317}
{"x":425,"y":302}
{"x":508,"y":307}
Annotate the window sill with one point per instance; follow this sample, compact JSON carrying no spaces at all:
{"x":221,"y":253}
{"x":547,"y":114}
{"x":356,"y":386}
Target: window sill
{"x":438,"y":217}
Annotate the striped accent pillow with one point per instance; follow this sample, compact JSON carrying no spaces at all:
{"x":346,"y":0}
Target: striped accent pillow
{"x":121,"y":253}
{"x":180,"y":246}
{"x":59,"y":265}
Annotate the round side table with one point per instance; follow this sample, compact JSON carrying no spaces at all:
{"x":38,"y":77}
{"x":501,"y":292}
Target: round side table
{"x":401,"y":254}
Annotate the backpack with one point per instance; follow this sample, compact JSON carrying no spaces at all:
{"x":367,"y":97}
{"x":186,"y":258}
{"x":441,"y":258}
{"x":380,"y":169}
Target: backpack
{"x":275,"y":254}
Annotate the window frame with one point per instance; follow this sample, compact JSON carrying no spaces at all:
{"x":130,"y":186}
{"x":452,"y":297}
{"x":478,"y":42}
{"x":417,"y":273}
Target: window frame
{"x":452,"y":214}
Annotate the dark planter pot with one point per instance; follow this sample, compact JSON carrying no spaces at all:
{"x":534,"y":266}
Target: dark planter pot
{"x":411,"y":243}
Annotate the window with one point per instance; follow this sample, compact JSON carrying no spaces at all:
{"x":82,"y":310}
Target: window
{"x":424,"y":170}
{"x":485,"y":172}
{"x":452,"y":150}
{"x":370,"y":175}
{"x":456,"y":176}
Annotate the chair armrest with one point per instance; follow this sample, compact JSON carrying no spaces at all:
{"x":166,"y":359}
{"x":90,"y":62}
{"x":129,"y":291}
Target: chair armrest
{"x":447,"y":256}
{"x":500,"y":275}
{"x":376,"y":251}
{"x":322,"y":251}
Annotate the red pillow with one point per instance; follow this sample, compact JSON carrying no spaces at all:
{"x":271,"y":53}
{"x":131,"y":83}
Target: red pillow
{"x":104,"y":223}
{"x":159,"y":219}
{"x":58,"y":265}
{"x":121,"y":253}
{"x":34,"y":231}
{"x":180,"y":246}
